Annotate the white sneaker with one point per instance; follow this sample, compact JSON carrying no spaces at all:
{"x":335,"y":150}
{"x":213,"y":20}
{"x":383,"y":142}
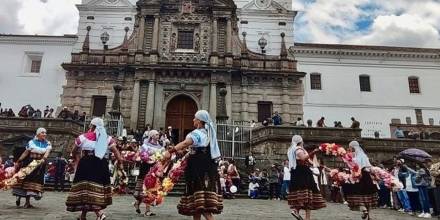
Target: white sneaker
{"x":401,"y":210}
{"x":421,"y":215}
{"x":427,"y":215}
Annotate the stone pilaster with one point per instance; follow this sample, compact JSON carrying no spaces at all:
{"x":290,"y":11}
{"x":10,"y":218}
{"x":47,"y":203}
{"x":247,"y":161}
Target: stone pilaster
{"x":135,"y":105}
{"x":213,"y":100}
{"x":149,"y":115}
{"x":141,"y":33}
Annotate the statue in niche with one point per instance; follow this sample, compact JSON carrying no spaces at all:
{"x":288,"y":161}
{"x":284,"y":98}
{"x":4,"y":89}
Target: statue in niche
{"x":173,"y":42}
{"x":197,"y":42}
{"x":186,"y":7}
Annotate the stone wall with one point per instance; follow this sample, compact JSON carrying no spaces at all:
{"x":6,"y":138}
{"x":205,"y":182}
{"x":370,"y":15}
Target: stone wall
{"x":270,"y":144}
{"x":15,"y":132}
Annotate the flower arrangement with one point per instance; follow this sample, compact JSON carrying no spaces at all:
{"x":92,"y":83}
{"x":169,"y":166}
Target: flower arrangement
{"x":156,"y":186}
{"x":355,"y":172}
{"x":8,"y":176}
{"x":389,"y":180}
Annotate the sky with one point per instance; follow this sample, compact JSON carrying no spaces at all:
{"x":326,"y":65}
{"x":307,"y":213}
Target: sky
{"x":411,"y":23}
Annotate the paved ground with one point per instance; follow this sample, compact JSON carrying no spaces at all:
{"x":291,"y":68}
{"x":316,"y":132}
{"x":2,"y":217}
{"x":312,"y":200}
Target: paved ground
{"x":52,"y":207}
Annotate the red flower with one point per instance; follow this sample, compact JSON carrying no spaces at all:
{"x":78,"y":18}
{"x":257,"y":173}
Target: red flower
{"x":150,"y":181}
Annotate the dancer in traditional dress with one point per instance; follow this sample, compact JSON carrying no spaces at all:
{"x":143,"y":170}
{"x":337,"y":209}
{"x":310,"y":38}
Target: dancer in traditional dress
{"x":202,"y":196}
{"x":303,"y":193}
{"x":363,"y":194}
{"x":91,"y":190}
{"x":151,"y":146}
{"x":32,"y":185}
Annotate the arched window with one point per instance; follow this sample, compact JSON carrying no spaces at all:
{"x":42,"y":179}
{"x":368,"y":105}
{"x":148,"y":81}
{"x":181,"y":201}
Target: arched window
{"x":413,"y":83}
{"x":364,"y":83}
{"x":315,"y":81}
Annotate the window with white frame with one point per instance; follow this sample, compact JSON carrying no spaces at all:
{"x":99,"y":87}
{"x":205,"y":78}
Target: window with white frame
{"x":32,"y":63}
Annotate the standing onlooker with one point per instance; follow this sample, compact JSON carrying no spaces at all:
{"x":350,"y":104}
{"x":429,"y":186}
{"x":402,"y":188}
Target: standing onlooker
{"x":323,"y":180}
{"x":321,"y":123}
{"x":250,"y":162}
{"x":253,"y":124}
{"x":423,"y":181}
{"x":354,"y":124}
{"x":82,"y":117}
{"x":171,"y":136}
{"x":64,"y":114}
{"x":286,"y":180}
{"x":146,"y":132}
{"x":435,"y":173}
{"x":265,"y":122}
{"x":277,"y":120}
{"x":401,"y":172}
{"x":273,"y":182}
{"x":75,"y":115}
{"x":11,"y":113}
{"x":60,"y":168}
{"x":413,"y":193}
{"x":398,"y":133}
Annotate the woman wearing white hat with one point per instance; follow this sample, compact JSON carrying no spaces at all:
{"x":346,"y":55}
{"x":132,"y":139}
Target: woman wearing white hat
{"x":202,"y":196}
{"x":151,"y":146}
{"x":304,"y":193}
{"x":32,"y":185}
{"x":363,"y":194}
{"x":91,"y":189}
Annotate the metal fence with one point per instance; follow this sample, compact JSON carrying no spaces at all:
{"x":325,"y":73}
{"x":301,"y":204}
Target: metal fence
{"x":234,"y":139}
{"x":114,"y":127}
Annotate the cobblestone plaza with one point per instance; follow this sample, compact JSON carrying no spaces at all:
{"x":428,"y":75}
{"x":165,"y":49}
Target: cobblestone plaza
{"x":52,"y":207}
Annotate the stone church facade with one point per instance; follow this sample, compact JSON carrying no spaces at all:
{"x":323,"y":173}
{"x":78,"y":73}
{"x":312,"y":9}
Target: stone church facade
{"x":183,"y":56}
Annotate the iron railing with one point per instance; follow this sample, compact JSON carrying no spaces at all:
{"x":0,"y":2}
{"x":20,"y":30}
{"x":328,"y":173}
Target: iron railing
{"x":234,"y":139}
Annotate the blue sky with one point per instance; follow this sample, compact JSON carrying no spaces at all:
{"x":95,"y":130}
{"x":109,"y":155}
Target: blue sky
{"x":413,"y":23}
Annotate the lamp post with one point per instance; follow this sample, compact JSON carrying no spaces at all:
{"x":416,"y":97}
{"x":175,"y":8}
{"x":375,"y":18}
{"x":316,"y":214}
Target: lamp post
{"x":262,"y":42}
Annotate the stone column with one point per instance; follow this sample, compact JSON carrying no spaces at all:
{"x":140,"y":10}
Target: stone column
{"x":229,"y":36}
{"x":155,"y":34}
{"x":135,"y":105}
{"x":244,"y":104}
{"x":222,"y":114}
{"x":140,"y":45}
{"x":214,"y":54}
{"x":213,"y":100}
{"x":149,"y":115}
{"x":228,"y":100}
{"x":285,"y":106}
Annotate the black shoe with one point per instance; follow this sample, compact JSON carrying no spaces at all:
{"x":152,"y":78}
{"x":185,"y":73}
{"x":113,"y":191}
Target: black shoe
{"x":17,"y":202}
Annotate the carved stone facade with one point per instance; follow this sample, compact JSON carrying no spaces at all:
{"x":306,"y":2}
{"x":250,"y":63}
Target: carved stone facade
{"x":184,"y":50}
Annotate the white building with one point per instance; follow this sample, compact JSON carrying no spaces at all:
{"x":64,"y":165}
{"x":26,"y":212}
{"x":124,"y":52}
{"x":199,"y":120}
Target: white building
{"x":31,"y":71}
{"x":371,"y":83}
{"x":111,"y":16}
{"x":266,"y":19}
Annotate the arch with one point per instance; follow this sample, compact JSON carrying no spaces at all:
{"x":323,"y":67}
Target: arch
{"x":180,"y":110}
{"x":172,"y":96}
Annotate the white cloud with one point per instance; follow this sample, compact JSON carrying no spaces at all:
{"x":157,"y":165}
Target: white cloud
{"x":403,"y":30}
{"x":49,"y":16}
{"x":9,"y":17}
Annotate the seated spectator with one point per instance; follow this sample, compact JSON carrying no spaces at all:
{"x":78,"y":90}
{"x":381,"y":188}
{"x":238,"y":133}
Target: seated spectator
{"x":398,"y":133}
{"x":299,"y":122}
{"x":82,"y":117}
{"x":64,"y":114}
{"x":355,"y":124}
{"x":37,"y":114}
{"x":413,"y":134}
{"x":253,"y":189}
{"x":11,"y":113}
{"x":265,"y":122}
{"x":277,"y":120}
{"x":321,"y":123}
{"x":75,"y":115}
{"x":46,"y":112}
{"x":339,"y":124}
{"x":23,"y":112}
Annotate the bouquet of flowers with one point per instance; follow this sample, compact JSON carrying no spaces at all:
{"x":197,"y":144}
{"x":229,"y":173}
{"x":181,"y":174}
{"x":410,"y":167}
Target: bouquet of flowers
{"x":389,"y":180}
{"x":332,"y":149}
{"x":129,"y":155}
{"x":9,"y":176}
{"x":156,"y":186}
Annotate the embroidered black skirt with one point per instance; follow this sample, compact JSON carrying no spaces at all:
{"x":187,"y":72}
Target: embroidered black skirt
{"x":91,"y":189}
{"x":202,"y":186}
{"x":303,"y":191}
{"x":363,"y":193}
{"x":32,"y":185}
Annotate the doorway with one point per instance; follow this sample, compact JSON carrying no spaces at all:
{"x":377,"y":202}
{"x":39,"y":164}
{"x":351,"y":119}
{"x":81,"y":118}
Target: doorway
{"x":180,"y":114}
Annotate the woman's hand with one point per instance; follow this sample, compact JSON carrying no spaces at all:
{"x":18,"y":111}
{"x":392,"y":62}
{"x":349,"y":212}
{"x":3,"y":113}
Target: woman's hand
{"x":166,"y":156}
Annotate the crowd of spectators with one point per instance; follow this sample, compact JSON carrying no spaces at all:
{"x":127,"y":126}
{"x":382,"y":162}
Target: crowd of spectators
{"x":28,"y":111}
